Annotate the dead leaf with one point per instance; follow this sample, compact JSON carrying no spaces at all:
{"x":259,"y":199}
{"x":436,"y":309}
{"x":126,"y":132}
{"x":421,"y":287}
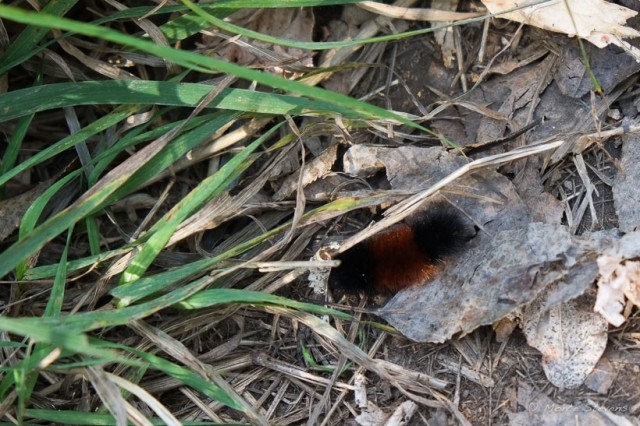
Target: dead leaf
{"x":598,"y":21}
{"x":618,"y":280}
{"x":571,"y":338}
{"x":13,"y":209}
{"x":311,"y":172}
{"x":505,"y":326}
{"x":602,"y":376}
{"x":610,"y":301}
{"x":362,"y":161}
{"x":541,"y":410}
{"x":372,"y":415}
{"x":494,"y":278}
{"x":626,"y":185}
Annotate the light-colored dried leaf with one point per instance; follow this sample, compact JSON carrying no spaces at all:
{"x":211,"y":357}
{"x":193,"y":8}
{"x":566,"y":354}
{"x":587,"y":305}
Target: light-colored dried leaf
{"x":13,"y":209}
{"x":541,"y":410}
{"x":362,"y":161}
{"x":108,"y":392}
{"x":610,"y":300}
{"x":626,"y":187}
{"x":504,"y":327}
{"x":372,"y":415}
{"x":402,"y":414}
{"x":618,"y":279}
{"x":360,"y":390}
{"x":598,"y":21}
{"x":571,"y":338}
{"x":312,"y":171}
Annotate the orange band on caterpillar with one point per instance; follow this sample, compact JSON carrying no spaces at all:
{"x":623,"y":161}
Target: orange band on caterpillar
{"x":407,"y":254}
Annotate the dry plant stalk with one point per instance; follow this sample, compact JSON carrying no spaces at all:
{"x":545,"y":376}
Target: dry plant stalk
{"x":407,"y":207}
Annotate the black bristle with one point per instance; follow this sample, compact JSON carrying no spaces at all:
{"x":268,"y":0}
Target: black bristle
{"x":441,"y":232}
{"x":356,"y":271}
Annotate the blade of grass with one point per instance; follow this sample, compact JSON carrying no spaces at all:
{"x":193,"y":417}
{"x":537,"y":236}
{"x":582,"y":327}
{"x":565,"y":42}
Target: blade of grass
{"x":218,"y":296}
{"x":29,"y":38}
{"x":24,"y":387}
{"x":33,"y":213}
{"x":207,"y":189}
{"x":129,"y":92}
{"x":56,"y":297}
{"x":49,"y":331}
{"x":94,"y":320}
{"x":15,"y":141}
{"x":202,"y":63}
{"x":116,"y":116}
{"x":47,"y":271}
{"x":117,"y":183}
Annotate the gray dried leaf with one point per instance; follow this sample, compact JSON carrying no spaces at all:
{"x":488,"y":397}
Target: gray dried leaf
{"x":626,"y":187}
{"x":13,"y":209}
{"x":541,"y":410}
{"x":571,"y":338}
{"x":494,"y":278}
{"x":312,"y":171}
{"x":602,"y":376}
{"x":619,"y":279}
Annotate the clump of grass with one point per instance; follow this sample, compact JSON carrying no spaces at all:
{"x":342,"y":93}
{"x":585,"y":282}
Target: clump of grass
{"x":105,"y":311}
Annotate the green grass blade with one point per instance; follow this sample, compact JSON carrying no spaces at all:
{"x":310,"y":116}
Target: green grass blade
{"x":33,"y":213}
{"x":199,"y":62}
{"x":94,"y":320}
{"x":129,"y":92}
{"x":54,"y":306}
{"x":207,"y":189}
{"x":51,"y":332}
{"x":103,"y":123}
{"x":218,"y":296}
{"x":92,"y":201}
{"x":29,"y":38}
{"x":67,"y":417}
{"x":47,"y":271}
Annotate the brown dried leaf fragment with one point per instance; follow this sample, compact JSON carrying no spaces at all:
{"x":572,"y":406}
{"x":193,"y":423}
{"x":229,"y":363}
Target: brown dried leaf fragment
{"x":13,"y":209}
{"x":311,"y":172}
{"x":571,"y":338}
